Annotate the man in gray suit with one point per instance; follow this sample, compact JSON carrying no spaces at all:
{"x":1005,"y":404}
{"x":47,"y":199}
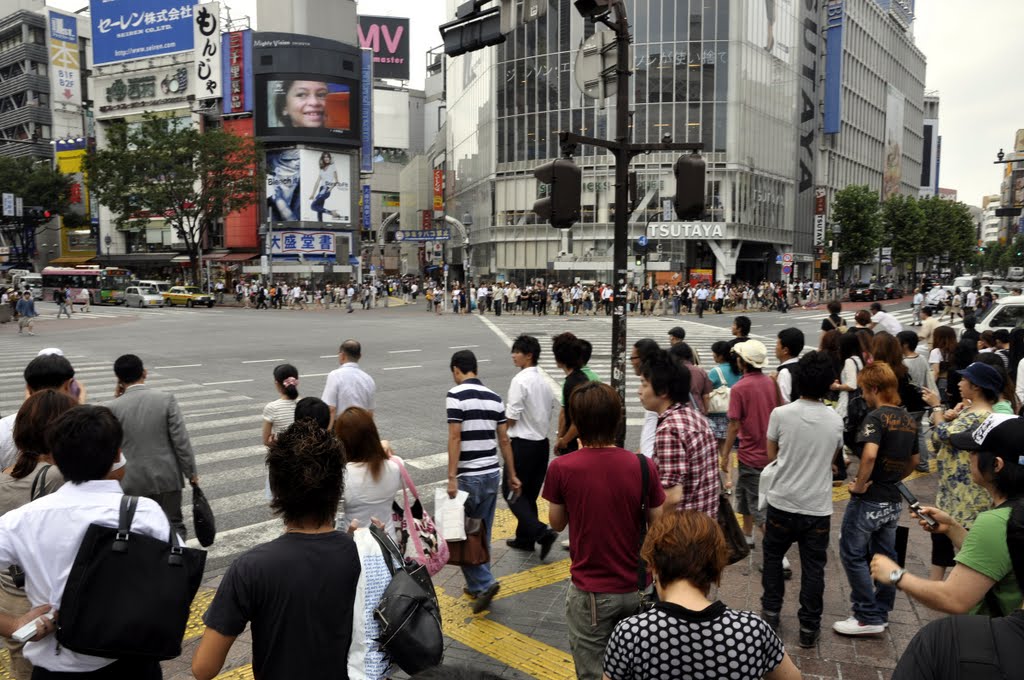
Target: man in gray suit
{"x":155,"y":440}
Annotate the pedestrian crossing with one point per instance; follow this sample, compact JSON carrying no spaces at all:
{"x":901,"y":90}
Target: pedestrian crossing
{"x":49,"y":312}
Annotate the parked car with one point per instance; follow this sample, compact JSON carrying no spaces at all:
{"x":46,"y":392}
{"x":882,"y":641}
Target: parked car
{"x":142,"y":296}
{"x":190,"y":296}
{"x":868,"y":292}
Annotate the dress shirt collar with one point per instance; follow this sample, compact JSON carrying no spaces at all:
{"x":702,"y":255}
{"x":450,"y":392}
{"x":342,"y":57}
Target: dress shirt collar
{"x":91,"y":487}
{"x":678,"y":406}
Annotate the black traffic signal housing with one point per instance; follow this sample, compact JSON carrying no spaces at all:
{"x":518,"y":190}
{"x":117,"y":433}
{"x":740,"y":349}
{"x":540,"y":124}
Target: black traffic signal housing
{"x":38,"y":213}
{"x":561,"y":207}
{"x":689,"y":199}
{"x":640,"y":252}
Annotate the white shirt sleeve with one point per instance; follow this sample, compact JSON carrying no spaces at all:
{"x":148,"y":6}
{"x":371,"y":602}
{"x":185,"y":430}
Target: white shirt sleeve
{"x":785,"y":382}
{"x":935,"y":357}
{"x":516,"y":402}
{"x":330,"y":395}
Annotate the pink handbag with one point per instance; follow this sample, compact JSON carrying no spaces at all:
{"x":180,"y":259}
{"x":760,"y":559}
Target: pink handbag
{"x":420,"y":540}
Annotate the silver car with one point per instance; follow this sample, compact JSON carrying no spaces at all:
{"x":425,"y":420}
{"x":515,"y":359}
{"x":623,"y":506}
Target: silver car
{"x":142,"y":296}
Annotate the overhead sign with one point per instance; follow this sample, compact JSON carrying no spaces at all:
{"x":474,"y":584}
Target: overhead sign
{"x":366,"y":112}
{"x":134,"y":29}
{"x":312,"y":243}
{"x":236,"y":56}
{"x":388,"y":37}
{"x":443,"y":234}
{"x":206,"y":37}
{"x":65,"y":62}
{"x":834,"y":17}
{"x":367,"y":202}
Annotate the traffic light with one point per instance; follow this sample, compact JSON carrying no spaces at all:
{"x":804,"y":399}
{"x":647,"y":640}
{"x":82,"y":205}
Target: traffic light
{"x":640,"y":252}
{"x":561,"y":207}
{"x":689,"y":198}
{"x":38,"y":213}
{"x":593,"y":8}
{"x":472,"y":30}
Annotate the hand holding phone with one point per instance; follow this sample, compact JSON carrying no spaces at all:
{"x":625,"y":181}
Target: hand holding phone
{"x":915,"y":506}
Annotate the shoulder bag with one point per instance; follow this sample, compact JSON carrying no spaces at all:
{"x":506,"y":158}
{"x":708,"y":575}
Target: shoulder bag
{"x":472,"y":551}
{"x":735,"y":539}
{"x":128,"y":594}
{"x":202,"y":518}
{"x":647,"y":595}
{"x":408,"y":614}
{"x":718,"y":398}
{"x":420,"y":539}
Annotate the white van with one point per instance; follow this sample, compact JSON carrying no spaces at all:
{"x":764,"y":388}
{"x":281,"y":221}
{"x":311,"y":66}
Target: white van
{"x":1015,"y":273}
{"x":158,"y":286}
{"x":33,"y":282}
{"x":1006,"y":312}
{"x":965,"y":283}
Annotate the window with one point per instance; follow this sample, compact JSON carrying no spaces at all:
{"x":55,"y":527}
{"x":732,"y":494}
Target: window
{"x":1007,"y":316}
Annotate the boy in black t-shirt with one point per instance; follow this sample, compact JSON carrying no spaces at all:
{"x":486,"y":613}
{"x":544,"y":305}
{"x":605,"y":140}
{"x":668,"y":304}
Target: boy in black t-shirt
{"x":297,"y":592}
{"x":889,"y":436}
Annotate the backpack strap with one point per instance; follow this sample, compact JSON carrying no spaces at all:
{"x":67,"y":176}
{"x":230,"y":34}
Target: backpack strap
{"x":645,"y":482}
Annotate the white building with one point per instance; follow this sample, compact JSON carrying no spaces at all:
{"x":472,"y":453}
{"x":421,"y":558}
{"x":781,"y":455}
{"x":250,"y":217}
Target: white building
{"x":990,"y":224}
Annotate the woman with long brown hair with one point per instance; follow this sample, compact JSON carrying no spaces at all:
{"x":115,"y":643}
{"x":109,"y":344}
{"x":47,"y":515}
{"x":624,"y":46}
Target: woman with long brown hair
{"x":372,"y":478}
{"x":886,"y":349}
{"x":941,"y":356}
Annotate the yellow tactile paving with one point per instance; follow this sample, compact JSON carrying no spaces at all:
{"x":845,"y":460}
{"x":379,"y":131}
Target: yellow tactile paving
{"x":505,"y":521}
{"x":532,"y":579}
{"x":5,"y":663}
{"x":200,"y":604}
{"x":502,"y":643}
{"x":240,"y":673}
{"x":842,"y":493}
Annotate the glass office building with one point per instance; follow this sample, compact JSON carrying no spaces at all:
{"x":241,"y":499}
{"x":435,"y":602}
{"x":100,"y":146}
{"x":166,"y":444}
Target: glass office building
{"x":738,"y":77}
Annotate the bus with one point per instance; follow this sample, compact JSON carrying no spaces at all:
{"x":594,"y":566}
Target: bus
{"x":104,"y":284}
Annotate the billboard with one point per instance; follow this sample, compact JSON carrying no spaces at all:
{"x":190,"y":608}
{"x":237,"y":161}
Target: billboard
{"x":388,"y":37}
{"x":303,"y":242}
{"x":834,"y":17}
{"x":309,"y":185}
{"x":134,"y":29}
{"x":892,"y":168}
{"x":65,"y":63}
{"x":206,"y":36}
{"x":306,"y":89}
{"x":236,"y":53}
{"x":159,"y":89}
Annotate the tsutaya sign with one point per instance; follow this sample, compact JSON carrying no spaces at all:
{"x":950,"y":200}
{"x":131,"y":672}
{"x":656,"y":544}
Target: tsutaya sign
{"x":697,"y":230}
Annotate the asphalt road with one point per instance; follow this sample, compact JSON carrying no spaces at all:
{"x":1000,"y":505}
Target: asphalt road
{"x":219,"y":362}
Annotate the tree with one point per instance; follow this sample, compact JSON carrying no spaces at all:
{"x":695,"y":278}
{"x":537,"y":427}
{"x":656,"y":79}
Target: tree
{"x":855,"y":209}
{"x":39,"y":185}
{"x":188,"y":177}
{"x":950,"y":233}
{"x":903,"y":229}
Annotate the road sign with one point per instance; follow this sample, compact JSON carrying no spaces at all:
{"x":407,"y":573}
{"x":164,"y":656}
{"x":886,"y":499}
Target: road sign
{"x":787,"y":270}
{"x":8,"y":205}
{"x":642,"y":241}
{"x":446,"y":269}
{"x":778,"y":259}
{"x":787,"y":257}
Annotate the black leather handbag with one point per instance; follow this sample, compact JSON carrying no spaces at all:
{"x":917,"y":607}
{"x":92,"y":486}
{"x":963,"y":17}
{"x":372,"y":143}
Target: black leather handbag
{"x":408,"y":614}
{"x":202,"y":518}
{"x":128,"y":594}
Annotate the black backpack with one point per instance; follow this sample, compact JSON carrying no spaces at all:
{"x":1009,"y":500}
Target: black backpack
{"x":408,"y":613}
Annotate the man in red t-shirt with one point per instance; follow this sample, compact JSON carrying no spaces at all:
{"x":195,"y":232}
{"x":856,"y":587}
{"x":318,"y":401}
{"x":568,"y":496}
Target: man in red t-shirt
{"x":751,"y":401}
{"x":597,"y":491}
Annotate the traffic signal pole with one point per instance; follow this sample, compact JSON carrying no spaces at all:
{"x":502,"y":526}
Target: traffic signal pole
{"x":624,"y":152}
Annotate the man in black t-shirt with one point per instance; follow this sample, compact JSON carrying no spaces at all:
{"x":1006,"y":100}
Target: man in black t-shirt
{"x":568,"y":352}
{"x":889,"y":436}
{"x":297,"y":592}
{"x":965,"y":648}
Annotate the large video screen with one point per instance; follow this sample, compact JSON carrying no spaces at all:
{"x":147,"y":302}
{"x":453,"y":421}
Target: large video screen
{"x":309,"y":185}
{"x":306,"y":107}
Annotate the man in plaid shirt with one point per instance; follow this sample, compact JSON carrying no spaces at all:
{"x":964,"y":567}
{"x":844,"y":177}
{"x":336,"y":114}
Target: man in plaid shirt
{"x":685,"y":449}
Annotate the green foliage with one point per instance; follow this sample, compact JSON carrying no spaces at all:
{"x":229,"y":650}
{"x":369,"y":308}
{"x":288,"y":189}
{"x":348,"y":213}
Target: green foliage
{"x":36,"y":182}
{"x":856,"y":209}
{"x":903,"y":227}
{"x":950,"y":232}
{"x":189,"y":178}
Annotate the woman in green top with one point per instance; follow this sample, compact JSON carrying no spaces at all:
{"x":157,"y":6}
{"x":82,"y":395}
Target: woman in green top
{"x":958,"y":494}
{"x":1007,"y":398}
{"x":983,"y":580}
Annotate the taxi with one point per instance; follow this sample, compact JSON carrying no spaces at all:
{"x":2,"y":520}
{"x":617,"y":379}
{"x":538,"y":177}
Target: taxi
{"x":190,"y":296}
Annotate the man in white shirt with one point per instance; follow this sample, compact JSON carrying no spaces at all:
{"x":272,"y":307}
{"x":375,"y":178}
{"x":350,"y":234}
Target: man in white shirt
{"x":481,"y":298}
{"x":928,"y":325}
{"x":531,"y":403}
{"x":349,"y":385}
{"x":43,"y":537}
{"x":702,"y":295}
{"x":970,"y":302}
{"x":888,"y":323}
{"x":788,"y":346}
{"x":644,"y":349}
{"x":918,"y":301}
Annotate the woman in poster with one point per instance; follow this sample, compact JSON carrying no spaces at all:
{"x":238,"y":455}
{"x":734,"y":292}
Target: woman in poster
{"x":327,"y":180}
{"x":283,"y":185}
{"x":301,"y":103}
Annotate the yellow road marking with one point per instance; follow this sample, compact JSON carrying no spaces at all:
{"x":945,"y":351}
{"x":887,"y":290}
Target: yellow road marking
{"x":532,"y":579}
{"x":195,"y":627}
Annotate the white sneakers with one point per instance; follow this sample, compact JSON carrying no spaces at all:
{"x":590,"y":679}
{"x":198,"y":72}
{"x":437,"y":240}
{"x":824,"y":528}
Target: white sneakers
{"x":852,"y":626}
{"x":786,"y":566}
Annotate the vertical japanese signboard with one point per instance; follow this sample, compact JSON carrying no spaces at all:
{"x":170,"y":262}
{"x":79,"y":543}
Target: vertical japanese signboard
{"x":206,"y":34}
{"x":65,"y":62}
{"x":236,"y":53}
{"x":438,"y":190}
{"x":366,"y":112}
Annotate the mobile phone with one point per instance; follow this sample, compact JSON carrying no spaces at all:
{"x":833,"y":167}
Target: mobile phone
{"x":29,"y":630}
{"x":915,"y":505}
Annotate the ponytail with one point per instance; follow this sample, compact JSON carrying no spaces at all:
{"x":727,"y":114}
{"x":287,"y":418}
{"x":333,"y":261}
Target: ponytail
{"x":287,"y":376}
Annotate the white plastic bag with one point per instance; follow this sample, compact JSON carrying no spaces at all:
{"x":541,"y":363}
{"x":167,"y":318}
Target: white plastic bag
{"x":450,"y":514}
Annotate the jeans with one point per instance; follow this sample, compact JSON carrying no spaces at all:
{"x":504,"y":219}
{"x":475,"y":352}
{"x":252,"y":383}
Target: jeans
{"x":482,"y":501}
{"x":869,"y":527}
{"x":531,"y":459}
{"x":592,"y":618}
{"x":783,"y":529}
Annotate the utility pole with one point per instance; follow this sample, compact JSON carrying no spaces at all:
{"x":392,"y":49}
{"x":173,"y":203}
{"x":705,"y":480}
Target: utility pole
{"x":622,"y":161}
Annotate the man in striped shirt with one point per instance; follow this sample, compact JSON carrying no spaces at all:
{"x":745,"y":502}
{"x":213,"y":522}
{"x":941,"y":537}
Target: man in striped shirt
{"x":476,"y":429}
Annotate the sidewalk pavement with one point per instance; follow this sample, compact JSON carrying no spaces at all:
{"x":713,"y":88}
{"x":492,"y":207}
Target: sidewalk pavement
{"x":524,"y":633}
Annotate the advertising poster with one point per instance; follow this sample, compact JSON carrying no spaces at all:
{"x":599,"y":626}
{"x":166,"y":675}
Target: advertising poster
{"x":284,"y":171}
{"x":134,"y":29}
{"x":701,"y":276}
{"x":388,"y":37}
{"x":65,"y":63}
{"x":305,"y":243}
{"x":326,"y":187}
{"x":438,"y":190}
{"x":892,"y":169}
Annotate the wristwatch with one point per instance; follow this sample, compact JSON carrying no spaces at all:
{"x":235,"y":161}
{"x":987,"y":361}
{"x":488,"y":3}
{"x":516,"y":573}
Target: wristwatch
{"x":895,"y":575}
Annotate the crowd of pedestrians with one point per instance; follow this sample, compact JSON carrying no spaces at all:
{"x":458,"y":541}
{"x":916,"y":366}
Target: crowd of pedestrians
{"x":865,"y":409}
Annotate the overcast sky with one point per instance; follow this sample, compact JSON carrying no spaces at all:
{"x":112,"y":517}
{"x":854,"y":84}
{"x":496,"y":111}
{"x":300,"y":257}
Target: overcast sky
{"x":973,"y":59}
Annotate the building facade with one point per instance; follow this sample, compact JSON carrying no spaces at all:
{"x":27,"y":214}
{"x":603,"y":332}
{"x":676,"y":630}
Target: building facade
{"x":744,"y":79}
{"x":931,"y":149}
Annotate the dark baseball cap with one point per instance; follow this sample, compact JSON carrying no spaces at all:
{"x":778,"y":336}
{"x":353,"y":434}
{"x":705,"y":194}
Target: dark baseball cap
{"x":1000,"y":433}
{"x":678,"y":332}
